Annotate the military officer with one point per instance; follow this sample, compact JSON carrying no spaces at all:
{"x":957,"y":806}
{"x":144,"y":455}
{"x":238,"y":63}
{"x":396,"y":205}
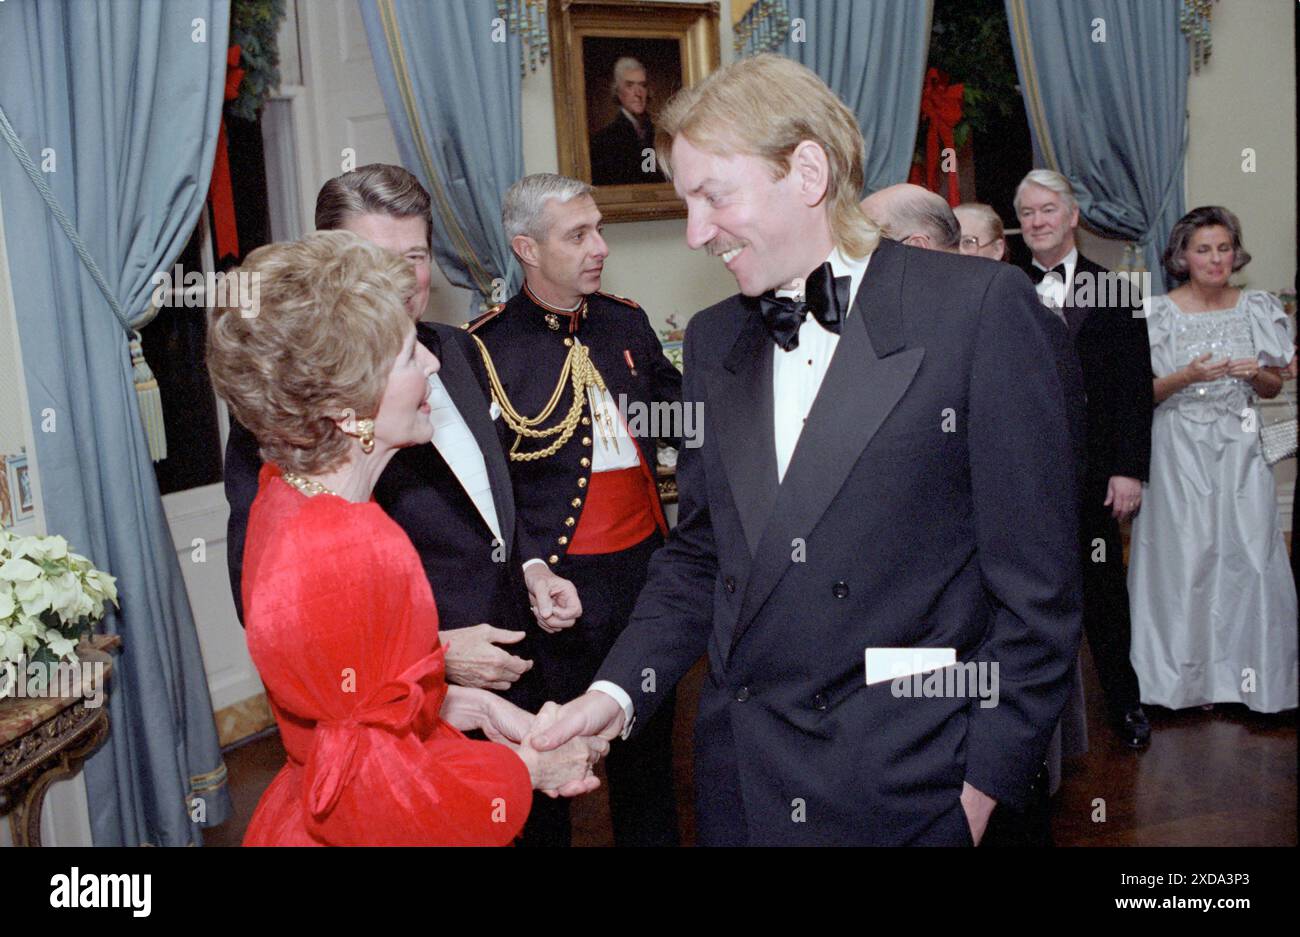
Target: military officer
{"x":574,"y":375}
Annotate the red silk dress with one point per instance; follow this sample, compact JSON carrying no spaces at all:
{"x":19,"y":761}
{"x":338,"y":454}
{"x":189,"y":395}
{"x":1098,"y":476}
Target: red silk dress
{"x":344,"y":633}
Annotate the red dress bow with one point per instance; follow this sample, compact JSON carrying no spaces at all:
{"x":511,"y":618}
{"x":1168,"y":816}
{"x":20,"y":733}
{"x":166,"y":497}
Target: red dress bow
{"x":397,"y":706}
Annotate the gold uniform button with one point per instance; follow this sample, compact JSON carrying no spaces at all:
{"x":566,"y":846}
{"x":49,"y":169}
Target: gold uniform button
{"x":582,"y":483}
{"x":586,"y":440}
{"x":563,"y":541}
{"x":586,"y":421}
{"x":576,"y":502}
{"x":568,"y":343}
{"x":552,"y":559}
{"x":585,"y":462}
{"x":569,"y":522}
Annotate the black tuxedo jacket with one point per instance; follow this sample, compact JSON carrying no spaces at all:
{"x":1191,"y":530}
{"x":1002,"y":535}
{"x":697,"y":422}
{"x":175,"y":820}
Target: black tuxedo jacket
{"x":473,"y":580}
{"x":1115,"y":358}
{"x":529,"y":356}
{"x":617,"y":153}
{"x":930,"y":502}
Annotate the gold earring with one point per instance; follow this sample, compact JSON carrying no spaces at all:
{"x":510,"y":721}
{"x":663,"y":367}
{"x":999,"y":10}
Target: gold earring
{"x":366,"y":435}
{"x":361,"y":430}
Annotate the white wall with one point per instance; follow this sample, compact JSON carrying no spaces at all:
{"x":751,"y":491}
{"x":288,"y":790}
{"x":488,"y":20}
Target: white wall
{"x":1245,"y":98}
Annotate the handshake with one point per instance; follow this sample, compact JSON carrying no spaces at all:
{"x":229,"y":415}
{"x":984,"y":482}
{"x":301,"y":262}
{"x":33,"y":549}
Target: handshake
{"x":560,"y":745}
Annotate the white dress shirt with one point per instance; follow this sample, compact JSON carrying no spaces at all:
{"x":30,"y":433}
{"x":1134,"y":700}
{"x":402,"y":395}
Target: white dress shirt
{"x":797,"y":374}
{"x":457,"y":445}
{"x":796,"y":378}
{"x":1052,"y":291}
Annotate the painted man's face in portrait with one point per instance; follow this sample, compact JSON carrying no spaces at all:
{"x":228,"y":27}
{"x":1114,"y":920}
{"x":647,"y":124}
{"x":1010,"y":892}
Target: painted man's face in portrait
{"x":632,"y":92}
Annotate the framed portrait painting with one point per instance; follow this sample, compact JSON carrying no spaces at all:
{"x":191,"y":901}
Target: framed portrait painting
{"x":616,"y":63}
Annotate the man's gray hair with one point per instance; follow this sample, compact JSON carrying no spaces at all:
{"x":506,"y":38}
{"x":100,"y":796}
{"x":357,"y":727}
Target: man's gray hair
{"x":1048,"y":179}
{"x":622,"y":67}
{"x":931,"y":213}
{"x":904,"y":210}
{"x":525,"y":202}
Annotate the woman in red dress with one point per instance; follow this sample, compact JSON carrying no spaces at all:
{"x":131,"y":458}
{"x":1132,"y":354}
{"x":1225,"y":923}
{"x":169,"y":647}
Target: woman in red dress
{"x":341,"y":622}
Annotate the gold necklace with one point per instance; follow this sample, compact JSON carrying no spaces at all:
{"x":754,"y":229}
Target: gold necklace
{"x":307,"y":486}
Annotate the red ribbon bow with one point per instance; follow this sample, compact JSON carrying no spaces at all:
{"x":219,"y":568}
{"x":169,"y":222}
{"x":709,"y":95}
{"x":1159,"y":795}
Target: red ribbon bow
{"x":395,"y":706}
{"x":222,"y":190}
{"x":941,"y":109}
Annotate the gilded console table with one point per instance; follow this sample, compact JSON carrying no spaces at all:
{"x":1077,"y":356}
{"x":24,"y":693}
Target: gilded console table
{"x":45,"y":739}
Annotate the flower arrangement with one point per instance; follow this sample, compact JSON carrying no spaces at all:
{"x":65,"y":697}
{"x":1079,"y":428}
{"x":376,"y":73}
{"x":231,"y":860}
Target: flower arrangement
{"x":49,"y":598}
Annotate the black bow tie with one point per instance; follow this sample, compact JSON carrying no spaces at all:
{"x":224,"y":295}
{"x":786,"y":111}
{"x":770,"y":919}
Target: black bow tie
{"x":825,"y":295}
{"x":1040,"y":273}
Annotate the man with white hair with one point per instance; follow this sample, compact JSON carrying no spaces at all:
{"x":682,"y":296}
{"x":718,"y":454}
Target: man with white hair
{"x":570,"y":368}
{"x":1115,"y":358}
{"x":913,"y":215}
{"x":622,"y":153}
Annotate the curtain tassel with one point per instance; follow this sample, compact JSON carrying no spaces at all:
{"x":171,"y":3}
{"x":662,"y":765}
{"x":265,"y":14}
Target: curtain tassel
{"x":151,"y":412}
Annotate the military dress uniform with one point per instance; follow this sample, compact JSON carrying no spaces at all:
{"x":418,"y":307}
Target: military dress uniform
{"x":572,"y":393}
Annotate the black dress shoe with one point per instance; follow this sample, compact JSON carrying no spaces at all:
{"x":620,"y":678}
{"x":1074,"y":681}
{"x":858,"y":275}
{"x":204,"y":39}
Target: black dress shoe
{"x":1134,"y":728}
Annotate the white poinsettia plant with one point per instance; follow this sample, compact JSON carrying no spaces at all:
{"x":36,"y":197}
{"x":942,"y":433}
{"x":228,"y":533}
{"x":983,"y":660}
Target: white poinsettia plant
{"x":49,"y":598}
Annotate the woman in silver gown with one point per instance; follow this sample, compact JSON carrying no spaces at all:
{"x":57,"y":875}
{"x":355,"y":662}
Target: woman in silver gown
{"x":1213,"y":600}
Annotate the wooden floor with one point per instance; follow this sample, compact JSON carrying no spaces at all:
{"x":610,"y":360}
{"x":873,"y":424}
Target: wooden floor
{"x":1221,"y":778}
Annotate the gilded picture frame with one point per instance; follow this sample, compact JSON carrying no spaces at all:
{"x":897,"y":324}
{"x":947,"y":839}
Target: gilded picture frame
{"x":677,"y":43}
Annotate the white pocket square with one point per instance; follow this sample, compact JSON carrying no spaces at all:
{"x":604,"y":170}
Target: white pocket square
{"x":890,"y":663}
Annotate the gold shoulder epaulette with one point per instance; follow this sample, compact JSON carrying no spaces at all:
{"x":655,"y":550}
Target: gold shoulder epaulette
{"x":622,"y":299}
{"x":474,"y":325}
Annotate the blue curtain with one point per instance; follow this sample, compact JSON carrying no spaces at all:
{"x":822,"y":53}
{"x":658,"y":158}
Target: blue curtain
{"x":121,"y":103}
{"x":452,"y":93}
{"x":1109,"y":115}
{"x":872,"y":53}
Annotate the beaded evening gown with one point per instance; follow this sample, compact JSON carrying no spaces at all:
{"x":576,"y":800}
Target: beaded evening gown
{"x":1213,"y":600}
{"x":343,"y":630}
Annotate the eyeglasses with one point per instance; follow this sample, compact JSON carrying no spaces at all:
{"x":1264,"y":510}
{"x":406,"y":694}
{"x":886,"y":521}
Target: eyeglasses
{"x":970,"y":244}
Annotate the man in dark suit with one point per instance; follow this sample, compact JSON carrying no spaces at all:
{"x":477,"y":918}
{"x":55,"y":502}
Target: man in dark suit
{"x":890,"y":475}
{"x":452,"y":497}
{"x":578,"y":376}
{"x":1103,"y":316}
{"x":619,"y":150}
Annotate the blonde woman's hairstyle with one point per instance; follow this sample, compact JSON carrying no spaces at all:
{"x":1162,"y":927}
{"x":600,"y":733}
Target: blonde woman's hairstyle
{"x":318,"y":346}
{"x":765,"y":106}
{"x":374,"y":189}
